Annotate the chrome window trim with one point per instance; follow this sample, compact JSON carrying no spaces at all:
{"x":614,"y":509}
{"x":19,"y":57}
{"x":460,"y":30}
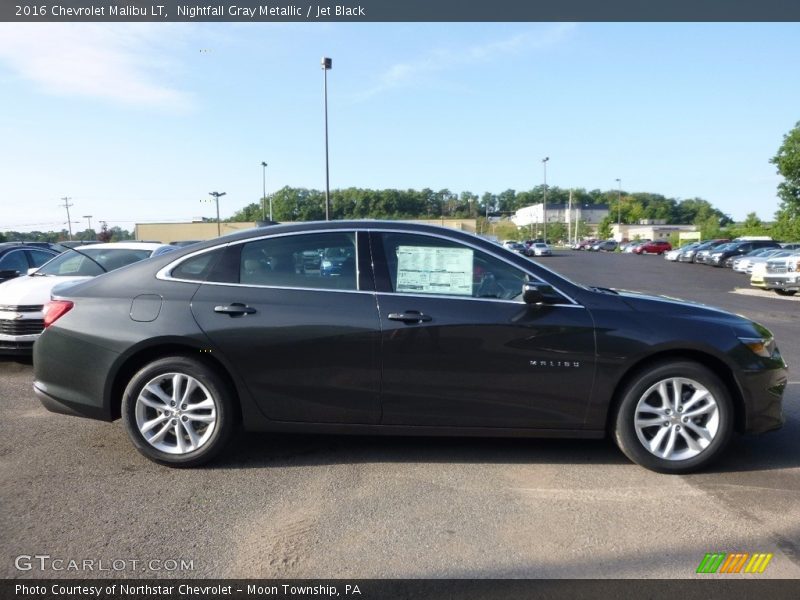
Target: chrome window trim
{"x":450,"y":297}
{"x":164,"y":273}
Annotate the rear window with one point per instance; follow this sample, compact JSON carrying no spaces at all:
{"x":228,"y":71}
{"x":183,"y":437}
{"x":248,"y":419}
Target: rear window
{"x":92,"y":261}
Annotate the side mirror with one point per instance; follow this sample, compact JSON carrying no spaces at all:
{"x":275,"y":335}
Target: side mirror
{"x":538,"y":292}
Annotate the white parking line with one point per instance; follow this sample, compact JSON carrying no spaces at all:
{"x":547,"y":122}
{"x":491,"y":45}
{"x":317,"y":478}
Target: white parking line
{"x":763,"y":294}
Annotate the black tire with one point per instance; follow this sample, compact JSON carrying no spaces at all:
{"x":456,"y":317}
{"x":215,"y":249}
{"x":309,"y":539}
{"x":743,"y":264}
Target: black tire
{"x":211,"y":386}
{"x":625,"y":432}
{"x":786,"y":292}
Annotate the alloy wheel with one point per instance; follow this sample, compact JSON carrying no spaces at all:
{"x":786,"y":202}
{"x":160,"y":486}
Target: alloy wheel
{"x":175,"y":413}
{"x":676,"y":418}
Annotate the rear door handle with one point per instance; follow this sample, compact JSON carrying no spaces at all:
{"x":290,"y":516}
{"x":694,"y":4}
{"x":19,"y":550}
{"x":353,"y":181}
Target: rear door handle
{"x":410,"y":316}
{"x":235,"y":309}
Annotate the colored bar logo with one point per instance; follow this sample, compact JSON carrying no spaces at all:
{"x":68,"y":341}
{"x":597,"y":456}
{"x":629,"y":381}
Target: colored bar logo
{"x":735,"y":562}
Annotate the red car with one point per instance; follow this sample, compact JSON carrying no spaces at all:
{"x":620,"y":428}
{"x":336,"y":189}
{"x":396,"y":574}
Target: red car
{"x":657,"y":247}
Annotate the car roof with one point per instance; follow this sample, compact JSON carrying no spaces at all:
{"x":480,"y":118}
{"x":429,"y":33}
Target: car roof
{"x":122,"y":246}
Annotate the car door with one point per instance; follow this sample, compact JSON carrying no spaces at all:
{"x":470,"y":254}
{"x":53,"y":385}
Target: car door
{"x":36,"y":258}
{"x":13,"y":263}
{"x":461,"y":348}
{"x":305,"y":344}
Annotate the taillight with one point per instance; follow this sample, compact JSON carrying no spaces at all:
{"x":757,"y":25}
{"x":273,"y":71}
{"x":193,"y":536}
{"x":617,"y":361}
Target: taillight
{"x":54,"y":310}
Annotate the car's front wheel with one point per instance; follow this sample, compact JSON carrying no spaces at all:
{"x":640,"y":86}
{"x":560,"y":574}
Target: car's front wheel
{"x":674,"y":417}
{"x":786,"y":292}
{"x":178,"y":412}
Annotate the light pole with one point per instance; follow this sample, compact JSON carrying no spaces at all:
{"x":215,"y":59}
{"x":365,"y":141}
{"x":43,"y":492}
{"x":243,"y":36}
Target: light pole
{"x":89,"y":219}
{"x":544,"y":204}
{"x":619,"y":207}
{"x":327,"y":64}
{"x":217,"y":196}
{"x":264,"y":194}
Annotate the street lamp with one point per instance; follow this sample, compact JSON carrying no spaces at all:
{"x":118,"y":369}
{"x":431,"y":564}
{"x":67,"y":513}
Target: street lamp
{"x":327,"y":64}
{"x":217,"y":196}
{"x":264,"y":195}
{"x":544,"y":204}
{"x":89,"y":219}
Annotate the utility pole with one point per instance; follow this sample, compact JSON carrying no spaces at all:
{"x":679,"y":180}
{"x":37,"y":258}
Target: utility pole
{"x":264,"y":195}
{"x":89,"y":219}
{"x":66,"y":205}
{"x":619,"y":208}
{"x":217,"y":196}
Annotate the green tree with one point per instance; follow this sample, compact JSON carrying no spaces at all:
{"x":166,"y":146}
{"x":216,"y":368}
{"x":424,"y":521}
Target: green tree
{"x":787,"y":160}
{"x":604,"y":229}
{"x":251,"y":212}
{"x":505,"y":230}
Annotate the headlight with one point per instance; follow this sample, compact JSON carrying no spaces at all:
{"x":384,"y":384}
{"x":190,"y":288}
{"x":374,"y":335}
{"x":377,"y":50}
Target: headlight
{"x":793,"y":266}
{"x":326,"y":264}
{"x":762,"y":346}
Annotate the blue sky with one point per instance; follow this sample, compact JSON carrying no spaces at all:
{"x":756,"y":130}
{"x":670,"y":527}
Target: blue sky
{"x":138,"y":122}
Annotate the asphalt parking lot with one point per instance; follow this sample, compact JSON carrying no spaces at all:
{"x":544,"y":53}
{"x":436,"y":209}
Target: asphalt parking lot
{"x":353,"y":507}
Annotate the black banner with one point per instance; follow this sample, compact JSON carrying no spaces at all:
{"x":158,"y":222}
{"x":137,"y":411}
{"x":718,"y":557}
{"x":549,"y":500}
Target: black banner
{"x":399,"y":10}
{"x":370,"y":589}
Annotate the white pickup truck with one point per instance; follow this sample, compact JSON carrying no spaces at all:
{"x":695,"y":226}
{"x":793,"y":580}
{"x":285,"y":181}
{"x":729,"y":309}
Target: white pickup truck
{"x":783,"y":274}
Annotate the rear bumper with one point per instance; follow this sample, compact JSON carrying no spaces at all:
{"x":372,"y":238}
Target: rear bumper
{"x":63,"y":407}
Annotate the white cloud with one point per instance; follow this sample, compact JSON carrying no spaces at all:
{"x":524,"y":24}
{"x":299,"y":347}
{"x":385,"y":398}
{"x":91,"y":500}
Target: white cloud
{"x":120,"y":62}
{"x":441,"y":60}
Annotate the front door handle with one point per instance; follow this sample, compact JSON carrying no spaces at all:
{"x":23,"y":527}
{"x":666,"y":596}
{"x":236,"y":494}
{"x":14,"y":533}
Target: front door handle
{"x":410,"y":316}
{"x":235,"y":309}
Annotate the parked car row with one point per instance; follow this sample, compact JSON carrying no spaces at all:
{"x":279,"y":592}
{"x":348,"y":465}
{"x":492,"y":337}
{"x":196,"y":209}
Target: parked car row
{"x":770,"y":264}
{"x":22,"y":299}
{"x":593,"y":245}
{"x":636,"y":247}
{"x":529,"y":248}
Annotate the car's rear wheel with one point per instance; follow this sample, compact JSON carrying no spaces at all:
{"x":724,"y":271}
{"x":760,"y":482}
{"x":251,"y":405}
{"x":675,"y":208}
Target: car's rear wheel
{"x":674,"y":417}
{"x":786,"y":292}
{"x":178,"y":412}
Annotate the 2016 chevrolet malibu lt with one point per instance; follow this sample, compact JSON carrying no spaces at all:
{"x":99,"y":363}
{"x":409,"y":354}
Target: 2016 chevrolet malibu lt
{"x":420,"y":330}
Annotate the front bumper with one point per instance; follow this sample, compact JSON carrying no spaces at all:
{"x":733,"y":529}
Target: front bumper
{"x":763,"y":395}
{"x":782,"y":283}
{"x":13,"y":345}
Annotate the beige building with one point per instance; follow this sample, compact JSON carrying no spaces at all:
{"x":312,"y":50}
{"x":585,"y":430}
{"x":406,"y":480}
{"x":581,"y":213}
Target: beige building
{"x":648,"y":231}
{"x":200,"y":231}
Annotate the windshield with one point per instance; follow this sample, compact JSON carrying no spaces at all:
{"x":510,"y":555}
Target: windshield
{"x":89,"y":262}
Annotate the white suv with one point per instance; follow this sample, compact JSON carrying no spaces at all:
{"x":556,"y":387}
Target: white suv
{"x":783,"y":274}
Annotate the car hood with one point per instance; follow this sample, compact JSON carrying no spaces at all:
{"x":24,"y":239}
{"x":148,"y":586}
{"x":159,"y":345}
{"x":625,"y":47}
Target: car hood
{"x":29,"y":289}
{"x":674,"y":306}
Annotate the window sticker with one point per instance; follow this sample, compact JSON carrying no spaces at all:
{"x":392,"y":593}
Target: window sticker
{"x":430,"y":270}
